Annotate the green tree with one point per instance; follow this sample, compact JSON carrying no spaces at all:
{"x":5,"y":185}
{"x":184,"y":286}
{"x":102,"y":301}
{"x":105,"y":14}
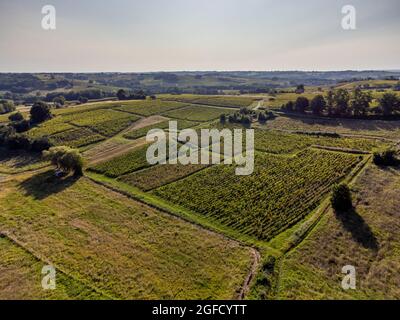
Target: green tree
{"x":121,"y":94}
{"x":40,"y":112}
{"x":17,"y":116}
{"x":341,"y":197}
{"x":65,"y":159}
{"x":318,"y":104}
{"x":389,"y":102}
{"x":360,"y":102}
{"x":341,"y":102}
{"x":301,"y":104}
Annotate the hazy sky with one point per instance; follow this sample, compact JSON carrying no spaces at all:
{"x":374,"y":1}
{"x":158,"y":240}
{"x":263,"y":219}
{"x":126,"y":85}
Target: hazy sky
{"x":167,"y":35}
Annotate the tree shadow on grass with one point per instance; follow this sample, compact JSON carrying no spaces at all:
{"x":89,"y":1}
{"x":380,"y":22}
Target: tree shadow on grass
{"x":359,"y":229}
{"x":45,"y":184}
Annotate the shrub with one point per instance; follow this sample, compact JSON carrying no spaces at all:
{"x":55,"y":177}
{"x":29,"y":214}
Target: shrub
{"x":17,"y":116}
{"x":21,"y":126}
{"x":341,"y":197}
{"x":6,"y":106}
{"x":40,"y":112}
{"x":386,"y":158}
{"x":41,"y":144}
{"x":18,"y":141}
{"x":222,"y":119}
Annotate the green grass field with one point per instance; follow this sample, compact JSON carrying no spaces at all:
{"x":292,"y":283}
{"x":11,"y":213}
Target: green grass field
{"x":222,"y":101}
{"x":103,"y":240}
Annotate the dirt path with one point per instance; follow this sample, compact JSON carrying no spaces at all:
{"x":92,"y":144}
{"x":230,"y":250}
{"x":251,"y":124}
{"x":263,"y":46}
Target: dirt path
{"x":110,"y":149}
{"x":244,"y":290}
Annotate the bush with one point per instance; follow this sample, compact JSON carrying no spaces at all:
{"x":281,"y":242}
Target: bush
{"x":41,"y":144}
{"x":21,"y":126}
{"x":40,"y":112}
{"x":222,"y":119}
{"x":18,"y":142}
{"x":16,"y":117}
{"x":386,"y":158}
{"x":341,"y":198}
{"x":6,"y":106}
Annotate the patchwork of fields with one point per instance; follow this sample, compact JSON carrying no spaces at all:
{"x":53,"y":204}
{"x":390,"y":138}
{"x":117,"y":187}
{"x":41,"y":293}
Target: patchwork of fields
{"x":131,"y":230}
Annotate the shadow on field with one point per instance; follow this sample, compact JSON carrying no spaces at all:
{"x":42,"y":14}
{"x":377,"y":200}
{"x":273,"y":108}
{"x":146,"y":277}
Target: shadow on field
{"x":359,"y":229}
{"x":45,"y":184}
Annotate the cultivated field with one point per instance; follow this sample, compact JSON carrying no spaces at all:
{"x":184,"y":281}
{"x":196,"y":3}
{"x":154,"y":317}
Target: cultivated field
{"x":131,"y":230}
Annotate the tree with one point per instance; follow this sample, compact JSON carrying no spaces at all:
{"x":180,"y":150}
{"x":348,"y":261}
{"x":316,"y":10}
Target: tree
{"x":289,"y":106}
{"x":341,"y":197}
{"x":59,"y":100}
{"x":360,"y":102}
{"x":330,"y":100}
{"x":121,"y":94}
{"x":389,"y":102}
{"x":300,"y":89}
{"x":21,"y":126}
{"x":18,"y":141}
{"x":65,"y":159}
{"x":341,"y":102}
{"x":40,"y":112}
{"x":17,"y":116}
{"x":262,"y":118}
{"x":318,"y":104}
{"x":387,"y":158}
{"x":6,"y":106}
{"x":301,"y":104}
{"x":40,"y":144}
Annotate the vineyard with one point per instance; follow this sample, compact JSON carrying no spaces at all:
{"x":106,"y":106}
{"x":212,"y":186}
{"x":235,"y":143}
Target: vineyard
{"x":221,"y":101}
{"x":160,"y":175}
{"x":279,"y":142}
{"x":76,"y":138}
{"x":279,"y":193}
{"x":129,"y":162}
{"x":138,"y":133}
{"x":198,"y":113}
{"x":149,"y":107}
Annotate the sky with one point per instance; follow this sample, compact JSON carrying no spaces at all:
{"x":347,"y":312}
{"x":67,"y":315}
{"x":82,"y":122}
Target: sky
{"x":198,"y":35}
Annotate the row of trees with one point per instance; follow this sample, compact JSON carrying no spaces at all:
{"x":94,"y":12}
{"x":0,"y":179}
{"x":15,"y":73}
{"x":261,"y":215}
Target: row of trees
{"x":245,"y":117}
{"x":342,"y":103}
{"x":137,"y":95}
{"x":6,"y":106}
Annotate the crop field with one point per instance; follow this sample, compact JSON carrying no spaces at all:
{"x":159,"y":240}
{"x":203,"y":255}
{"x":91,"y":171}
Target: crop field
{"x":18,"y":160}
{"x":160,"y":175}
{"x":105,"y":245}
{"x":112,"y":127}
{"x":281,"y":191}
{"x":149,"y":107}
{"x":49,"y":128}
{"x":76,"y":138}
{"x":129,"y":162}
{"x":198,"y":113}
{"x":222,"y":101}
{"x":282,"y":142}
{"x":378,"y":128}
{"x":138,"y":133}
